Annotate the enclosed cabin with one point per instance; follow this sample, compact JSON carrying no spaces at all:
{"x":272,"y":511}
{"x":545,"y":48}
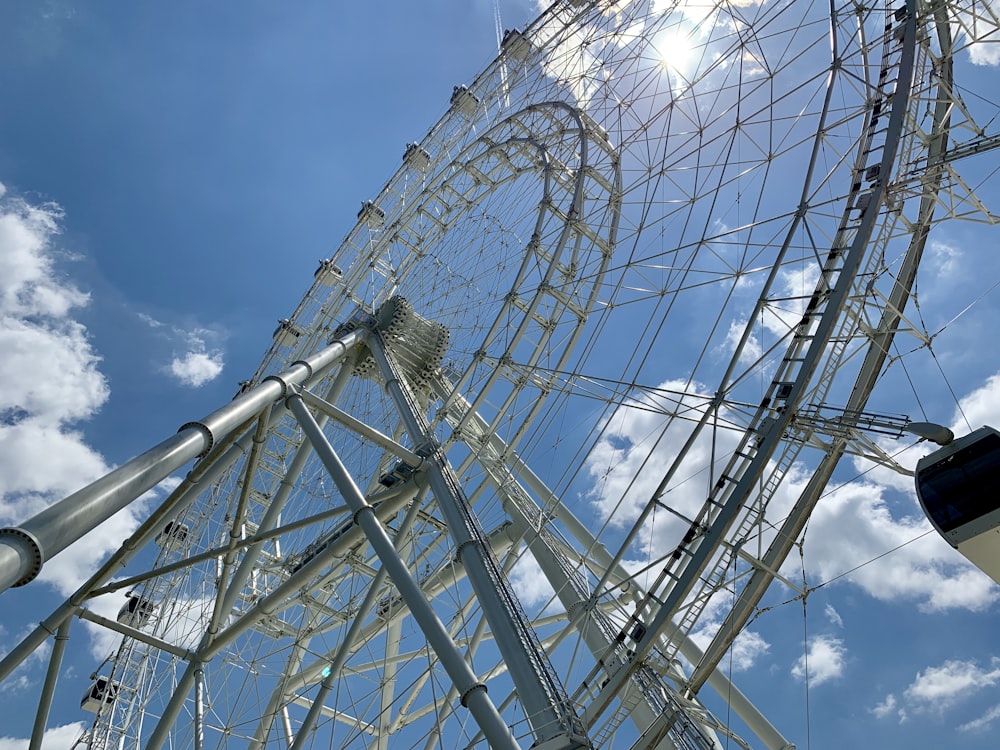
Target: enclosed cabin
{"x":515,"y":44}
{"x":371,"y":215}
{"x":287,"y":333}
{"x":464,"y":100}
{"x":959,"y":489}
{"x":174,"y":535}
{"x":328,"y":273}
{"x":136,"y":611}
{"x":400,"y":472}
{"x":101,"y":694}
{"x":416,"y":157}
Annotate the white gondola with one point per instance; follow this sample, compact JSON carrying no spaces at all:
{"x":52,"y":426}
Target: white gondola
{"x":464,"y":100}
{"x":371,"y":215}
{"x":959,"y":489}
{"x":515,"y":44}
{"x":100,"y":694}
{"x":416,"y":157}
{"x":174,"y":535}
{"x":328,"y":273}
{"x":287,"y":333}
{"x":136,"y":611}
{"x":401,"y":472}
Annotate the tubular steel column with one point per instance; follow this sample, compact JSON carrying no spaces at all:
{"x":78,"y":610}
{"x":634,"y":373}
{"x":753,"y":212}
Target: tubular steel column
{"x":546,"y":705}
{"x":49,"y":688}
{"x":473,"y":691}
{"x":24,"y":549}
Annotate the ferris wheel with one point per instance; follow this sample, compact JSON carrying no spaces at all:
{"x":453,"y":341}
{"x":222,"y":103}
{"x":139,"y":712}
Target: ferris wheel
{"x":543,"y":405}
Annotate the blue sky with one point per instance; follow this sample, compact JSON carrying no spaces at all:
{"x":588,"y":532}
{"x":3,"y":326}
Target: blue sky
{"x":172,"y":173}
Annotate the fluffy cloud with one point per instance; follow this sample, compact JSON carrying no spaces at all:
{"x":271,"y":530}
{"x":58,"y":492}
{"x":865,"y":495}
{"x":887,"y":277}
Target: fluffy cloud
{"x":851,"y":526}
{"x":56,"y":738}
{"x":70,"y":568}
{"x":980,"y":31}
{"x":36,"y":330}
{"x":983,"y":723}
{"x":823,"y":661}
{"x":854,"y":526}
{"x":752,"y":350}
{"x":888,"y":707}
{"x":196,"y":367}
{"x":987,"y":54}
{"x":49,"y":369}
{"x":639,"y":440}
{"x":747,"y":649}
{"x":833,"y":615}
{"x":935,"y":690}
{"x":855,"y":523}
{"x":850,"y":531}
{"x":52,"y":381}
{"x":202,"y":360}
{"x":749,"y":646}
{"x":527,"y":578}
{"x":945,"y":259}
{"x":980,"y":407}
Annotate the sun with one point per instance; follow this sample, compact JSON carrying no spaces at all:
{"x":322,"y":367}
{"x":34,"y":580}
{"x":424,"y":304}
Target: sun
{"x":674,"y":51}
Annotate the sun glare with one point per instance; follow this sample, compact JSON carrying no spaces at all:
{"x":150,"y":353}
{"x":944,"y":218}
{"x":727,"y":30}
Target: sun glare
{"x":674,"y":52}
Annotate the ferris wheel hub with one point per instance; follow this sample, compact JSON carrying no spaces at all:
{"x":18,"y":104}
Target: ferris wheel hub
{"x":418,"y":345}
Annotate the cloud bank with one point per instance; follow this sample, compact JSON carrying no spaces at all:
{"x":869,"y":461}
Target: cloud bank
{"x":49,"y":369}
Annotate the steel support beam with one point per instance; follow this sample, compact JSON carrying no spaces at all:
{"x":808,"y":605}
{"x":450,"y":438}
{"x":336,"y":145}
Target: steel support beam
{"x":473,"y":691}
{"x":24,"y":549}
{"x":546,"y":706}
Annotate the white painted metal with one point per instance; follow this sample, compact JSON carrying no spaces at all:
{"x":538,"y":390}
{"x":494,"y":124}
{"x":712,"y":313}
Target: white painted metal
{"x":595,"y":233}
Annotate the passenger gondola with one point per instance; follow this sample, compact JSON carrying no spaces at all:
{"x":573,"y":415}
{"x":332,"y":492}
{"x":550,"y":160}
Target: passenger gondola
{"x":959,"y":489}
{"x":101,"y":694}
{"x":136,"y":611}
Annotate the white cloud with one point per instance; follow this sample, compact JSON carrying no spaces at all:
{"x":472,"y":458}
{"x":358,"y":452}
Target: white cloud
{"x":42,"y":463}
{"x":628,"y":461}
{"x":794,"y":289}
{"x":56,"y":738}
{"x":752,"y":350}
{"x":983,"y":723}
{"x":833,"y":615}
{"x":945,"y":258}
{"x":36,"y":333}
{"x":748,"y":647}
{"x":202,"y":360}
{"x":888,"y":707}
{"x":853,"y":526}
{"x":49,"y":369}
{"x":746,"y":650}
{"x":823,"y":661}
{"x":530,"y":583}
{"x":980,"y":407}
{"x":51,"y":381}
{"x":197,"y":367}
{"x":980,"y":32}
{"x":850,"y":531}
{"x":71,"y":567}
{"x":937,"y":689}
{"x":985,"y":53}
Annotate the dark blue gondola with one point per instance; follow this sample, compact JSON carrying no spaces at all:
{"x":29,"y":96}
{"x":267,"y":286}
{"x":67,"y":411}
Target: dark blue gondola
{"x":959,"y":489}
